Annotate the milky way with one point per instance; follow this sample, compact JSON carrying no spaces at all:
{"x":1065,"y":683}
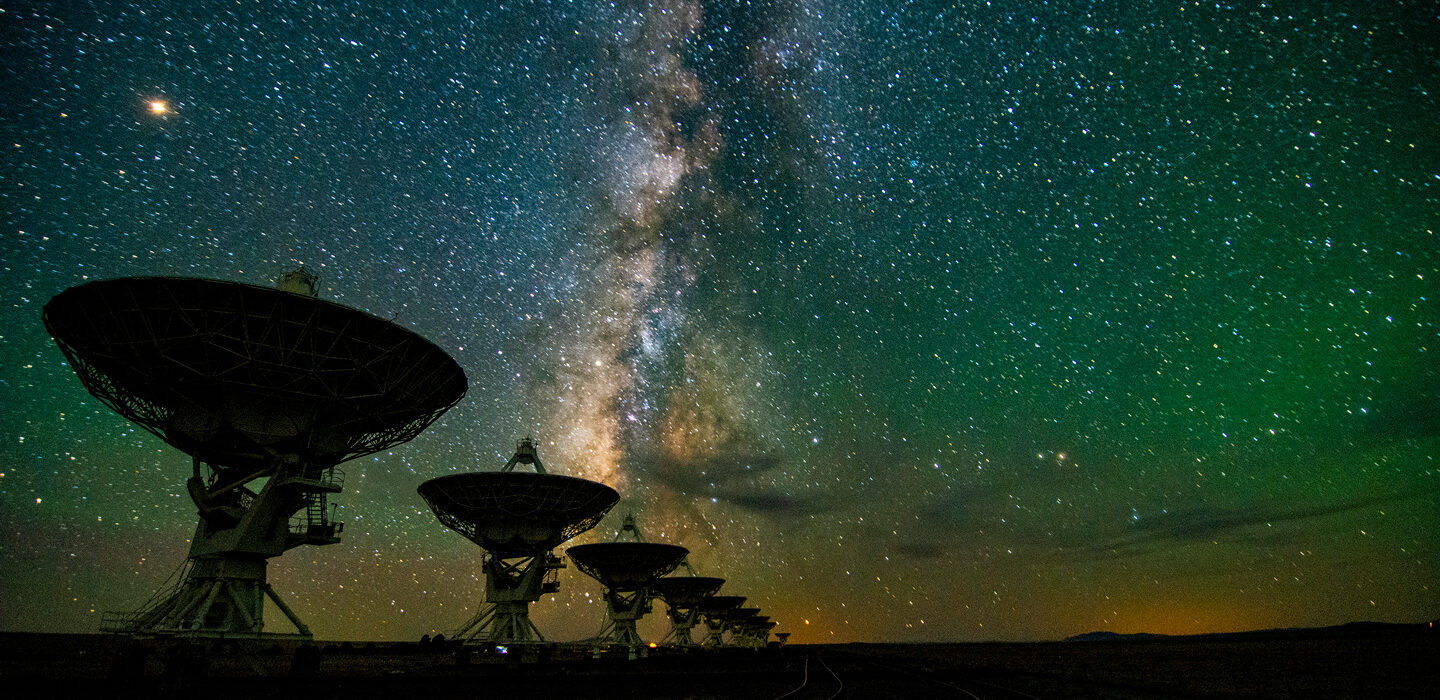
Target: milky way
{"x":997,"y":321}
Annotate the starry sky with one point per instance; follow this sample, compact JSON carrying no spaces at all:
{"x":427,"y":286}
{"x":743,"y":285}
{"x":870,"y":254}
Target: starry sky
{"x":992,"y":321}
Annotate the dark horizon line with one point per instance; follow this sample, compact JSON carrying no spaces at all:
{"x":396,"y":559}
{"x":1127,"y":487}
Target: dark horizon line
{"x":1355,"y":625}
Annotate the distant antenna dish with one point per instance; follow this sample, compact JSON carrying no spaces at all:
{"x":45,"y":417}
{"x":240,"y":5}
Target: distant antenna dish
{"x":733,"y":620}
{"x":758,"y":633}
{"x":517,"y":518}
{"x":753,"y":633}
{"x":715,"y":613}
{"x":748,"y":628}
{"x":627,"y":566}
{"x":255,"y":384}
{"x":626,"y":570}
{"x":682,"y":596}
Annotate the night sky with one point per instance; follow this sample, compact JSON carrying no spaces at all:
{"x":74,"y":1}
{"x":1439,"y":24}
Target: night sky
{"x":1010,"y":320}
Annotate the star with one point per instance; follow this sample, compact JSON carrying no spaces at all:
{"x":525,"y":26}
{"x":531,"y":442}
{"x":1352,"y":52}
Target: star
{"x":755,"y":266}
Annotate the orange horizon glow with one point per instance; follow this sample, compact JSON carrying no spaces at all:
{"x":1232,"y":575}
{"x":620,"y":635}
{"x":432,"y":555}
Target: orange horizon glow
{"x":1185,"y":618}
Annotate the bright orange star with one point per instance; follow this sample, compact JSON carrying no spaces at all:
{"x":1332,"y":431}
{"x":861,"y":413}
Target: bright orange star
{"x":159,"y":107}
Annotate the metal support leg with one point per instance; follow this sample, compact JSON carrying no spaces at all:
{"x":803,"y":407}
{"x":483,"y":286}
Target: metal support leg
{"x":285,"y":609}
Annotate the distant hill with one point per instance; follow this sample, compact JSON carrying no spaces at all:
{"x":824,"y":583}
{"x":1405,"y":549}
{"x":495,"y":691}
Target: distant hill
{"x":1113,"y":637}
{"x":1350,"y":629}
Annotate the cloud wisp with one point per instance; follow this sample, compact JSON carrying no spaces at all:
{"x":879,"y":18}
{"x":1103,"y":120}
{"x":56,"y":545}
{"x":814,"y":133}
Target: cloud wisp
{"x":1210,"y":524}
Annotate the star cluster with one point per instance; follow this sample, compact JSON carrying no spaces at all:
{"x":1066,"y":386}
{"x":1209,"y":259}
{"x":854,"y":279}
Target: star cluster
{"x":992,"y":321}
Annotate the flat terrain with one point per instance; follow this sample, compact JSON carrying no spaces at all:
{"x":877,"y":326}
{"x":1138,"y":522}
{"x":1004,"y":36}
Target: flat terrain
{"x":1351,"y":662}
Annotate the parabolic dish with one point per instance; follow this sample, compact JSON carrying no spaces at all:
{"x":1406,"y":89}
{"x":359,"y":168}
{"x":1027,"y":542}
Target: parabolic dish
{"x":731,"y":616}
{"x":685,"y":591}
{"x":513,"y":514}
{"x":626,"y":566}
{"x":720,"y":603}
{"x":235,"y":374}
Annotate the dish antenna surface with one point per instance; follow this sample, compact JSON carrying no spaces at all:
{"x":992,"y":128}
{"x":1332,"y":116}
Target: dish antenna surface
{"x":517,"y":518}
{"x":754,"y":632}
{"x":715,"y":611}
{"x":734,"y":622}
{"x":265,"y":389}
{"x":682,"y":596}
{"x":626,"y":570}
{"x":748,"y":628}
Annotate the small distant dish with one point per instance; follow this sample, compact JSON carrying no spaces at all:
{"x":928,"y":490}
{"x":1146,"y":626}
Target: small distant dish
{"x":626,"y":566}
{"x":685,"y":591}
{"x":517,"y":518}
{"x":513,"y":514}
{"x":717,"y":603}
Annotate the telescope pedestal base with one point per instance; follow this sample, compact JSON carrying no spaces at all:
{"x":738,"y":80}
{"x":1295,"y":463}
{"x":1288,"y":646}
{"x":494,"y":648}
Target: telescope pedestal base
{"x":714,"y":633}
{"x":221,"y":597}
{"x":680,"y":633}
{"x":622,"y":610}
{"x":504,"y":622}
{"x":511,"y":585}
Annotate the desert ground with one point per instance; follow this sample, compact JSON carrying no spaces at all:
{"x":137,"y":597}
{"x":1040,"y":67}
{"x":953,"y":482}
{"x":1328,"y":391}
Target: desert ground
{"x":1357,"y":661}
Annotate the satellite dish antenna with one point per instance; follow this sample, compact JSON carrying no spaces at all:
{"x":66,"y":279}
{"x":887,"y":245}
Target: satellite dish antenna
{"x":517,"y":518}
{"x":748,"y":628}
{"x":267,"y":391}
{"x":753,"y":632}
{"x":715,"y":612}
{"x":735,"y":621}
{"x":682,"y":596}
{"x":626,"y":570}
{"x":762,"y":633}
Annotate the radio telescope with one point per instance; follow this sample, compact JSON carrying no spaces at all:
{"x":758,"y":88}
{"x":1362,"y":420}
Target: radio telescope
{"x":762,"y":633}
{"x":682,"y":596}
{"x":753,"y":632}
{"x":265,"y":389}
{"x":735,"y":621}
{"x":626,"y":570}
{"x":517,"y":518}
{"x":715,"y":611}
